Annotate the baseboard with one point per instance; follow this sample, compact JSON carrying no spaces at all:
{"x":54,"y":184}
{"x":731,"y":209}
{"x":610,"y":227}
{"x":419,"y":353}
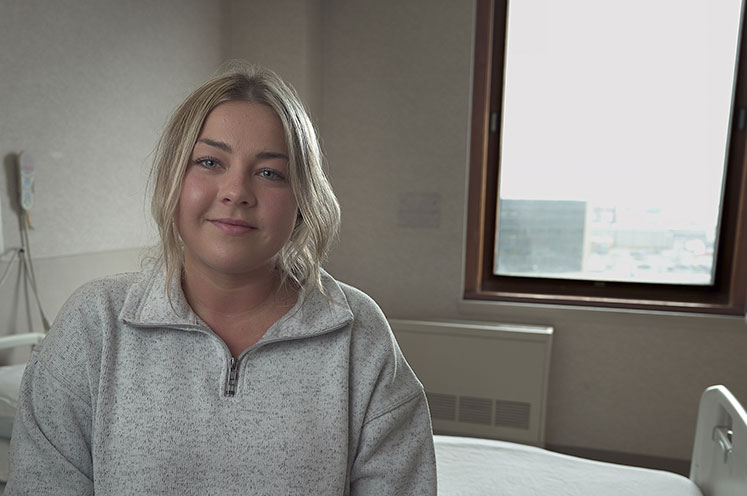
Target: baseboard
{"x":677,"y":466}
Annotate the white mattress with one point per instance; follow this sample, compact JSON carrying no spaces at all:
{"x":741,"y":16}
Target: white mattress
{"x":10,"y":381}
{"x":469,"y":466}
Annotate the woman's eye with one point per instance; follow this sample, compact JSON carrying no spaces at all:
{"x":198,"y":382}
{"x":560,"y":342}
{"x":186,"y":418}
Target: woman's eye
{"x":271,"y":174}
{"x":207,"y":163}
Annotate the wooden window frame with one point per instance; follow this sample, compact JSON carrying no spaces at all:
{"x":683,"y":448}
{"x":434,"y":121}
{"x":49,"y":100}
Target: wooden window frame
{"x":726,"y":296}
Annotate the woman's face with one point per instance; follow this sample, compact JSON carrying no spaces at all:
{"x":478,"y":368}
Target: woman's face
{"x":236,"y":208}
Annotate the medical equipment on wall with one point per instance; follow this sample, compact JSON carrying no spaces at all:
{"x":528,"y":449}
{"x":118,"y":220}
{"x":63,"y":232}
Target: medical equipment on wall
{"x":23,"y":253}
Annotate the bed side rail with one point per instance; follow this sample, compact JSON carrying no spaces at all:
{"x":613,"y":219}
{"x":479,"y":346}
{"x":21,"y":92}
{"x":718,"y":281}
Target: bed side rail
{"x":719,"y":462}
{"x":14,"y":340}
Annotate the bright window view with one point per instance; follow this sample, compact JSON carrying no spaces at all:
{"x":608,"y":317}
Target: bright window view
{"x":614,"y":131}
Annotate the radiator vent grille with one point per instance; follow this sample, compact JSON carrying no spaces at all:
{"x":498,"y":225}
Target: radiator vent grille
{"x":512,"y":414}
{"x":475,"y":410}
{"x":482,"y":379}
{"x":442,"y":406}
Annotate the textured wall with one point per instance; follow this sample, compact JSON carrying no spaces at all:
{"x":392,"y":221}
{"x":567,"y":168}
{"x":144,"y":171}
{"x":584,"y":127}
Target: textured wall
{"x":86,"y":87}
{"x":395,"y":122}
{"x":283,"y":35}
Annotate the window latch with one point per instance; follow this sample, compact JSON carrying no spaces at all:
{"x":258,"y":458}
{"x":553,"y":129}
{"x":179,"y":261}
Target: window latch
{"x":741,"y":118}
{"x":494,"y":122}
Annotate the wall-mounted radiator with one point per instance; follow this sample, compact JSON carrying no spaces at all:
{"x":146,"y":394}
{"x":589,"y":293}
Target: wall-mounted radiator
{"x":481,"y":379}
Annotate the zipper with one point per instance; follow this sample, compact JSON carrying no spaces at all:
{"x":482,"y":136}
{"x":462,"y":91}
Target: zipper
{"x":233,"y":377}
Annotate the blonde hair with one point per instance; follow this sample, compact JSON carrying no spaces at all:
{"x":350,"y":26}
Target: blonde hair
{"x":319,"y":213}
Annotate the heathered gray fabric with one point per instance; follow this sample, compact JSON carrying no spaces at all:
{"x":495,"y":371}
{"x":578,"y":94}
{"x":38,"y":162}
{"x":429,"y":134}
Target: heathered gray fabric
{"x":127,"y":396}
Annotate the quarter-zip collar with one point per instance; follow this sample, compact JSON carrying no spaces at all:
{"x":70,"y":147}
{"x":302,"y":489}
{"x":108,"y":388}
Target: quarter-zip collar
{"x":147,"y":305}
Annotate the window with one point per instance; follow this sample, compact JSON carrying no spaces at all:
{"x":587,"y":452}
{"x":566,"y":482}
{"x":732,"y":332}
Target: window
{"x":642,"y":223}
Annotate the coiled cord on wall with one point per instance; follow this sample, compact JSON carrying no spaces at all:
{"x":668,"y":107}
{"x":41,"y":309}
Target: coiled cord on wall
{"x":27,"y":266}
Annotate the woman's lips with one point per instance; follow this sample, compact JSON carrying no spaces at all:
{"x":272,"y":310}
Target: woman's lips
{"x":233,"y":227}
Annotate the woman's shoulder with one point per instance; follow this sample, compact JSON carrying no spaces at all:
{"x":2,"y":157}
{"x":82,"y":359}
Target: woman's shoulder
{"x":107,"y":290}
{"x":380,"y":372}
{"x":369,"y":322}
{"x":355,"y":298}
{"x":97,"y":303}
{"x":74,"y":340}
{"x":110,"y":283}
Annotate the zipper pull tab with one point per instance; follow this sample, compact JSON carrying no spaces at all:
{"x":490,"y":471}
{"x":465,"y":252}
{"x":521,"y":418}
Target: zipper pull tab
{"x":233,"y":377}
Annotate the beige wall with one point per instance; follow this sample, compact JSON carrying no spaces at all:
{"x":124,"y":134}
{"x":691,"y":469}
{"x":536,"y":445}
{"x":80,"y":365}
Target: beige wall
{"x":389,"y":83}
{"x":284,"y":35}
{"x":86,"y":86}
{"x":395,"y":122}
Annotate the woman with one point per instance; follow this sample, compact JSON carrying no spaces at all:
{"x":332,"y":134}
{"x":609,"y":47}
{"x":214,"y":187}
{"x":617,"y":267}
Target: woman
{"x":234,"y":365}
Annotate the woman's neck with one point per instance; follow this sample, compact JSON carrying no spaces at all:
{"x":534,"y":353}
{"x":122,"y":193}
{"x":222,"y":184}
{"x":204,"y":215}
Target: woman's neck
{"x":238,"y":309}
{"x":231,"y":295}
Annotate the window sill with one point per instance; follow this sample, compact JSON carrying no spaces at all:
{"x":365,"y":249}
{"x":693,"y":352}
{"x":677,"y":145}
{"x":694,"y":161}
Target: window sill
{"x":551,"y":314}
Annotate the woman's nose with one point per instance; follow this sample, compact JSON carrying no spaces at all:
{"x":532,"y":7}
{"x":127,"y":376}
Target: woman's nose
{"x":237,"y":190}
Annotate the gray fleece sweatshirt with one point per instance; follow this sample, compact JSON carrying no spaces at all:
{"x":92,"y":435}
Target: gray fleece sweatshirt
{"x":127,"y":395}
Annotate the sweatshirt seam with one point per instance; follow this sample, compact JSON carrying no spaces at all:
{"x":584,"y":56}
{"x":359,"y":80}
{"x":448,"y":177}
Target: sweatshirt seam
{"x":54,"y":375}
{"x":393,"y":407}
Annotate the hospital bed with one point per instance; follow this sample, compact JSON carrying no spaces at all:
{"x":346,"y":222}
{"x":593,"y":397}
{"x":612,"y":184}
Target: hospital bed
{"x":471,"y":466}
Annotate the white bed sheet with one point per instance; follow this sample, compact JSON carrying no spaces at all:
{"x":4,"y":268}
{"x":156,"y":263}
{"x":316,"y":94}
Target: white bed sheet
{"x":10,"y":383}
{"x":470,"y":466}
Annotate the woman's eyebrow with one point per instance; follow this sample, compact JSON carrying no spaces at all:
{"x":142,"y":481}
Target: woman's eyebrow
{"x":217,"y":144}
{"x":221,"y":145}
{"x":271,"y":155}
